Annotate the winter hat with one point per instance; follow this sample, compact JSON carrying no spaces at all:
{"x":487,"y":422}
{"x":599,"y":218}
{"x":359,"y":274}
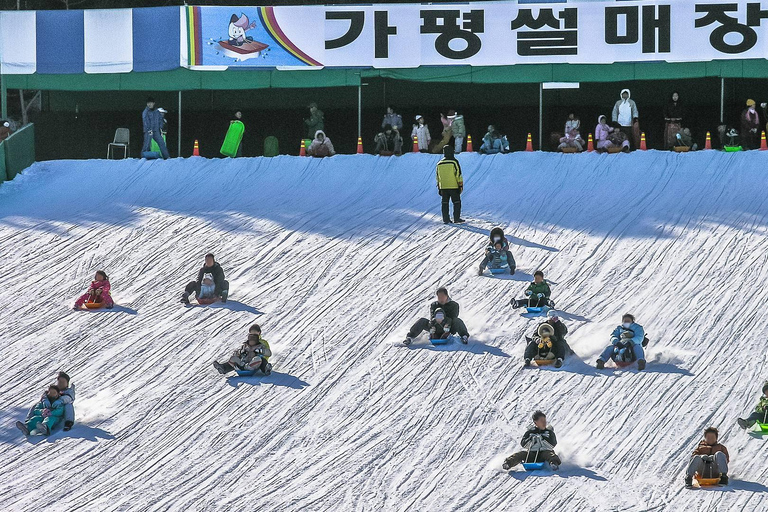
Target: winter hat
{"x":750,"y":103}
{"x":451,"y":114}
{"x":546,"y":331}
{"x":552,"y":315}
{"x":439,"y":311}
{"x":63,"y":375}
{"x":162,"y":110}
{"x":7,"y":124}
{"x":765,"y":387}
{"x":601,"y":117}
{"x":419,"y":117}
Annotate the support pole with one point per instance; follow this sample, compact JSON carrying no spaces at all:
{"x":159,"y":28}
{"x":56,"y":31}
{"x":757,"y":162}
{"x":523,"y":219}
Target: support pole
{"x":359,"y":105}
{"x":541,"y":116}
{"x":3,"y":98}
{"x":178,"y":131}
{"x":722,"y":99}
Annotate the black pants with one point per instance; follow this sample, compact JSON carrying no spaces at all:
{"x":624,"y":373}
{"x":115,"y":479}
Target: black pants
{"x":453,"y":195}
{"x":229,"y":368}
{"x":532,"y":302}
{"x":510,"y":260}
{"x":534,"y":456}
{"x":532,"y":350}
{"x":422,"y":324}
{"x":192,"y":286}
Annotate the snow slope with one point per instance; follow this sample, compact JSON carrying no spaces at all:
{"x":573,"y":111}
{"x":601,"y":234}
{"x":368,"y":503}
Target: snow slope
{"x":335,"y":259}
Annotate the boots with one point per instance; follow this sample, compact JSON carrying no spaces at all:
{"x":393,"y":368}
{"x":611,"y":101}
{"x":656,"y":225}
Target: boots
{"x":457,"y":213}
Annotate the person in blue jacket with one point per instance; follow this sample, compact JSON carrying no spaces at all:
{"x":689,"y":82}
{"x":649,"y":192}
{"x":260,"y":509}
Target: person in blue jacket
{"x":46,"y":414}
{"x":629,"y":332}
{"x":152,"y":122}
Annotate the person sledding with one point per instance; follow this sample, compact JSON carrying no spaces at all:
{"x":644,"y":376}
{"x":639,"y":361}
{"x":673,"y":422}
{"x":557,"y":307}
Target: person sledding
{"x":497,"y":253}
{"x":626,"y":344}
{"x":98,"y":292}
{"x":537,"y":294}
{"x":539,"y":442}
{"x":46,"y":414}
{"x":709,"y":460}
{"x":221,"y":285}
{"x":759,"y":414}
{"x":252,"y":355}
{"x":548,"y":342}
{"x":450,"y":313}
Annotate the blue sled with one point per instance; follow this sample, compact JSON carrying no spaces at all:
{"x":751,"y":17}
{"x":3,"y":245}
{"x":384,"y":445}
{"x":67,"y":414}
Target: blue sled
{"x":533,"y":466}
{"x":542,"y":309}
{"x":500,"y":270}
{"x":245,"y":373}
{"x":440,"y":341}
{"x":151,"y":155}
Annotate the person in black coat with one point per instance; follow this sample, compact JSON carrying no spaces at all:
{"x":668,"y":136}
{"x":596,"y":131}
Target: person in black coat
{"x":213,"y":268}
{"x":539,"y":442}
{"x":497,"y":236}
{"x":450,"y":310}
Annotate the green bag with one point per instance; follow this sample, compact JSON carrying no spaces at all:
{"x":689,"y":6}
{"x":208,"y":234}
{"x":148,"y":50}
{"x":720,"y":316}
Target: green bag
{"x":271,"y":146}
{"x":233,"y":139}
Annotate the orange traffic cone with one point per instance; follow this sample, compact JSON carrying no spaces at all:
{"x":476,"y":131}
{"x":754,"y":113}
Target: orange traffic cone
{"x":359,"y":145}
{"x":196,"y":149}
{"x":763,"y":145}
{"x":303,"y":149}
{"x":470,"y":149}
{"x":590,"y":143}
{"x":529,"y":143}
{"x":643,"y":147}
{"x":415,"y":144}
{"x":708,"y":143}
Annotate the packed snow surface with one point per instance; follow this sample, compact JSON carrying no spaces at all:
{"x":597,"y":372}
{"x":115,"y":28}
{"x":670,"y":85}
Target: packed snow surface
{"x":335,"y":258}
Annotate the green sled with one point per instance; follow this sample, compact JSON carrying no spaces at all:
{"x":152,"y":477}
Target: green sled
{"x":762,"y":426}
{"x":732,"y":149}
{"x":155,"y":147}
{"x":233,"y":139}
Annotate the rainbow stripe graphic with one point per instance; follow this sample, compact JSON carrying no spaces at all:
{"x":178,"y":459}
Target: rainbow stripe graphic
{"x":195,"y":37}
{"x":269,"y":22}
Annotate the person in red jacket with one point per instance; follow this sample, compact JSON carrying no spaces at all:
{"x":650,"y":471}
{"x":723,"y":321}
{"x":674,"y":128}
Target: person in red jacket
{"x":709,"y":451}
{"x":97,"y":292}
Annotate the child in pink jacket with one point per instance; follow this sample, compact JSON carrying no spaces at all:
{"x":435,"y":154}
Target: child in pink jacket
{"x":97,"y":292}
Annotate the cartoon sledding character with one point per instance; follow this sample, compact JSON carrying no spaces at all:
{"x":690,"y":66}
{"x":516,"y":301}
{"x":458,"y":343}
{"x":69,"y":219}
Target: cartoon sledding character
{"x":240,"y":46}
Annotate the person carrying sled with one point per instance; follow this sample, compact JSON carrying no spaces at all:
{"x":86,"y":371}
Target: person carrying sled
{"x":98,"y":292}
{"x":45,"y":414}
{"x":450,"y":310}
{"x":238,"y":117}
{"x":152,"y":123}
{"x":492,"y":251}
{"x":627,"y":336}
{"x":709,"y":451}
{"x":221,"y":285}
{"x":253,"y":355}
{"x":759,"y":414}
{"x":321,"y":146}
{"x":549,"y":341}
{"x":539,"y":442}
{"x":450,"y":185}
{"x":537,"y":294}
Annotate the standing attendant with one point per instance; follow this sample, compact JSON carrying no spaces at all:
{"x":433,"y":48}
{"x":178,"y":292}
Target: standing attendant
{"x":625,"y":113}
{"x":450,"y":185}
{"x":673,"y":120}
{"x":152,"y":122}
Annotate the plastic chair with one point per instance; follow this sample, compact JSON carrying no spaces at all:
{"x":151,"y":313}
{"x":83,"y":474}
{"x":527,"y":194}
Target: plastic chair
{"x":122,"y":140}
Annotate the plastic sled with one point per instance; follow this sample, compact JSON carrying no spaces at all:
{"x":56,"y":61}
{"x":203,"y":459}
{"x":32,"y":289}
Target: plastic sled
{"x":542,"y":309}
{"x":762,"y":426}
{"x":544,"y":362}
{"x":624,"y":364}
{"x":569,"y":150}
{"x":94,"y":305}
{"x":233,"y":138}
{"x":535,"y":466}
{"x":154,"y":147}
{"x":681,"y":149}
{"x":500,"y":270}
{"x":206,"y":301}
{"x":440,"y":341}
{"x":245,"y":373}
{"x":616,"y":149}
{"x":731,"y":149}
{"x":151,"y":155}
{"x":707,"y":482}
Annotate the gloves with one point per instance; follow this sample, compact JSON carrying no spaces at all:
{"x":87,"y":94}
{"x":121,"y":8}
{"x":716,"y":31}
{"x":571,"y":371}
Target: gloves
{"x":614,"y":341}
{"x":46,"y":413}
{"x":461,"y":189}
{"x":528,"y":293}
{"x":540,"y":295}
{"x":259,"y":350}
{"x":98,"y":291}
